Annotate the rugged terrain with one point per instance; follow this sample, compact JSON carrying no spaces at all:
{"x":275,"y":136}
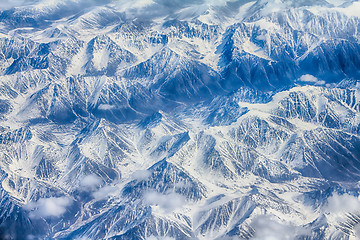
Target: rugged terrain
{"x":180,"y":120}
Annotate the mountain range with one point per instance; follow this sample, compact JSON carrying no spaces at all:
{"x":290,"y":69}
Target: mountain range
{"x":155,"y":119}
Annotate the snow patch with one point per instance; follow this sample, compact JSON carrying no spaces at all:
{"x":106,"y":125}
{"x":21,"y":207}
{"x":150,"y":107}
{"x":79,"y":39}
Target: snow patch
{"x":101,"y":59}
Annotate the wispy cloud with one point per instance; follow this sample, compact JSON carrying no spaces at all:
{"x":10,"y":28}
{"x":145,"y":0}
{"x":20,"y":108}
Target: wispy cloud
{"x":168,"y":202}
{"x":94,"y":184}
{"x":48,"y":207}
{"x":307,"y":78}
{"x":151,"y":9}
{"x":141,"y":175}
{"x":7,"y":4}
{"x":82,"y":238}
{"x":267,"y":228}
{"x":159,"y":238}
{"x":90,"y":182}
{"x":104,"y":193}
{"x":342,"y":204}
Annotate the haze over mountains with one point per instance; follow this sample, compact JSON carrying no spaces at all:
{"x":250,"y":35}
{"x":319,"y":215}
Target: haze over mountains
{"x":179,"y":119}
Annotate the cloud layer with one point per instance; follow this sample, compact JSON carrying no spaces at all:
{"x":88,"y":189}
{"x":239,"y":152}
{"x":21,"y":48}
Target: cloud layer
{"x":7,"y":4}
{"x":159,"y":8}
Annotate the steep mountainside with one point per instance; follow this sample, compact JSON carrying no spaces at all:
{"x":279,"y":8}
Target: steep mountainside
{"x":164,"y":119}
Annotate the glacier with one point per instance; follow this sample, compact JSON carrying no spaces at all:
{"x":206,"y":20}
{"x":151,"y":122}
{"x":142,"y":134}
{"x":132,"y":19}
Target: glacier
{"x":155,"y":119}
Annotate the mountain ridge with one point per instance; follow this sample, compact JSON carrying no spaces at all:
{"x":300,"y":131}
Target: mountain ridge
{"x":206,"y":120}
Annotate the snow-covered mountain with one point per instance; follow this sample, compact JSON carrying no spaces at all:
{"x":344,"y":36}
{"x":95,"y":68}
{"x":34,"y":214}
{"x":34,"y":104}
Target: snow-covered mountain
{"x":156,"y":119}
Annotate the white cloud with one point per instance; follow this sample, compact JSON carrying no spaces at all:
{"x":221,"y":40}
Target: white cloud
{"x":357,"y":231}
{"x":48,"y":207}
{"x":311,"y":79}
{"x":159,"y":238}
{"x":31,"y":237}
{"x":342,"y":204}
{"x":167,"y":202}
{"x":159,"y":8}
{"x":90,"y":182}
{"x":267,"y":228}
{"x":175,"y":4}
{"x":104,"y":193}
{"x":183,"y":184}
{"x":274,"y":6}
{"x":308,"y":78}
{"x":141,"y":174}
{"x":82,"y":238}
{"x":106,"y":107}
{"x":336,"y":3}
{"x":7,"y":4}
{"x":353,"y":10}
{"x":339,"y":205}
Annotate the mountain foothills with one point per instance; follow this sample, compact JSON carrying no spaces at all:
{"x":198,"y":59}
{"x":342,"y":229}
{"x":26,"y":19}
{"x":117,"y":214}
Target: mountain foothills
{"x":156,"y":119}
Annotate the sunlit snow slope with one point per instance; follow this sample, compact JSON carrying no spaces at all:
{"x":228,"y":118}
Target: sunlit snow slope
{"x":156,"y":119}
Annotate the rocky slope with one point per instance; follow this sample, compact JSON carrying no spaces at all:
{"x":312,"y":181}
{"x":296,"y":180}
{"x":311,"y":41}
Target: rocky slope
{"x":226,"y":120}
